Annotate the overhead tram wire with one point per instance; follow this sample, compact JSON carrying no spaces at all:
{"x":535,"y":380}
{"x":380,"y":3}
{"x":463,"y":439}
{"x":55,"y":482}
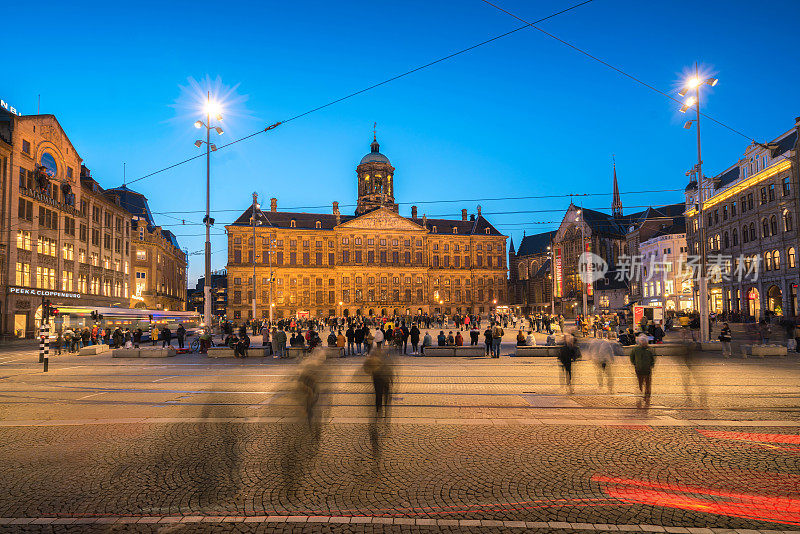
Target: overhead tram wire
{"x":614,"y":68}
{"x":369,"y":88}
{"x":527,"y":197}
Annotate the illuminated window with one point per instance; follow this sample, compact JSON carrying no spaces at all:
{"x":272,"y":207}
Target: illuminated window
{"x":141,"y":255}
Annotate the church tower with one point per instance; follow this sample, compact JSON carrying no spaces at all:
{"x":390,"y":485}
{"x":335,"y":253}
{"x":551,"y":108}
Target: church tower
{"x":375,"y":180}
{"x":616,"y":203}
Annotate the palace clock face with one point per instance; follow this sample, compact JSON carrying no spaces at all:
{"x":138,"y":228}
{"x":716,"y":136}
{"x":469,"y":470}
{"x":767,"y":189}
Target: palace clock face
{"x":49,"y":163}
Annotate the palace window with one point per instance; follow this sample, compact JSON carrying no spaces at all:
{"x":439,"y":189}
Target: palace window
{"x":292,"y":224}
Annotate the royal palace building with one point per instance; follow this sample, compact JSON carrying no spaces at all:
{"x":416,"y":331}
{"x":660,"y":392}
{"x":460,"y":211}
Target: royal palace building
{"x":375,"y":262}
{"x":63,"y":238}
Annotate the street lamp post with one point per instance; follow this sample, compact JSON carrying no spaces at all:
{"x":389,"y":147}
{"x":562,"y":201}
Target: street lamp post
{"x":210,"y":147}
{"x":694,"y":83}
{"x":583,"y":250}
{"x":254,"y":222}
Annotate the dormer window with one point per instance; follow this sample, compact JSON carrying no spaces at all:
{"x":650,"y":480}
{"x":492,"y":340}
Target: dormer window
{"x":455,"y":229}
{"x":433,"y":229}
{"x":318,"y":224}
{"x":487,"y":231}
{"x":293,"y":224}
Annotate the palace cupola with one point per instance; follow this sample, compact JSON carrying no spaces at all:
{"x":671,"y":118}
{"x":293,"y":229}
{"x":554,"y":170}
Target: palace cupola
{"x":375,"y":180}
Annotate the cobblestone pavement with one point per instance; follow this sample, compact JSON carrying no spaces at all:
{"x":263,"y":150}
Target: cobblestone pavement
{"x":188,"y":444}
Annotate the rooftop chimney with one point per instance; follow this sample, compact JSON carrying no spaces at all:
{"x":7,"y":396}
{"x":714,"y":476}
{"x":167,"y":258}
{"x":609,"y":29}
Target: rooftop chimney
{"x":336,"y":213}
{"x":464,"y":215}
{"x":413,"y":212}
{"x":273,"y":204}
{"x":479,"y":210}
{"x":424,"y":220}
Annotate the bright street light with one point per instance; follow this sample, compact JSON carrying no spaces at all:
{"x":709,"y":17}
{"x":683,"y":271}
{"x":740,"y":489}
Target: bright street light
{"x":212,"y":107}
{"x":694,"y":84}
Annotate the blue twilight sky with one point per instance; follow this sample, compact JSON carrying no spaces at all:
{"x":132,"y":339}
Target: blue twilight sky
{"x":524,"y":115}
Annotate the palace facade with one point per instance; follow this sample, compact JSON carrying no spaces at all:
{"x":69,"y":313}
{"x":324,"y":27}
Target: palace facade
{"x":375,"y":262}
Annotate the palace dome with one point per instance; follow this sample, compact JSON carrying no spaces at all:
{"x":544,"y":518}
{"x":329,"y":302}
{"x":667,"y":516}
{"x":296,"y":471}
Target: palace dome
{"x":375,"y":156}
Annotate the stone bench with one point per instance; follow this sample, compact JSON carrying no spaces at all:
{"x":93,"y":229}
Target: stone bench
{"x":659,"y":349}
{"x":93,"y":349}
{"x":439,"y":351}
{"x":536,"y":350}
{"x":144,"y":353}
{"x":296,"y":352}
{"x":766,"y":350}
{"x":220,"y":352}
{"x":453,"y":351}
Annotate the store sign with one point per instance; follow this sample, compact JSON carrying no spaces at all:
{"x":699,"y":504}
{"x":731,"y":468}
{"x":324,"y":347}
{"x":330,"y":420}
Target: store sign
{"x":10,"y":109}
{"x":43,"y":293}
{"x":559,"y":273}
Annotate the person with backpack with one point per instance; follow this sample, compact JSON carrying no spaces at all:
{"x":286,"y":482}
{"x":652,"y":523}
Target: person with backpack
{"x":487,"y":339}
{"x":414,"y":334}
{"x":643,"y":360}
{"x":497,"y":338}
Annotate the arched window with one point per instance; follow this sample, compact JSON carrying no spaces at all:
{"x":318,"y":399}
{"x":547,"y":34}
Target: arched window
{"x":318,"y":224}
{"x":433,"y":229}
{"x":768,"y":261}
{"x":725,"y":241}
{"x":487,"y":231}
{"x":293,"y":224}
{"x":787,"y":221}
{"x":455,"y":229}
{"x":745,"y":239}
{"x":773,"y":225}
{"x":752,"y":231}
{"x":790,"y":257}
{"x":735,"y":237}
{"x":776,"y":259}
{"x":764,"y":227}
{"x":716,"y":242}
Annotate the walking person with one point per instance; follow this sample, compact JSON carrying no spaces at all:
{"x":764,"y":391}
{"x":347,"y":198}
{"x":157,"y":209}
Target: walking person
{"x":566,"y":355}
{"x":377,"y":366}
{"x":497,"y":338}
{"x":726,"y":337}
{"x":487,"y":339}
{"x":137,"y":337}
{"x":474,"y":334}
{"x":379,"y":336}
{"x":181,"y":333}
{"x":643,"y":360}
{"x":602,"y":353}
{"x":166,"y":337}
{"x":414,"y":335}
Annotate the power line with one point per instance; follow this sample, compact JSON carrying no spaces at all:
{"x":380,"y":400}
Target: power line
{"x":369,"y":88}
{"x":527,"y":197}
{"x":612,"y":67}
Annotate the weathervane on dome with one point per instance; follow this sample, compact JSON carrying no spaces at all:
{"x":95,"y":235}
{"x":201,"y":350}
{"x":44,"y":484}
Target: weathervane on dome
{"x":374,"y":131}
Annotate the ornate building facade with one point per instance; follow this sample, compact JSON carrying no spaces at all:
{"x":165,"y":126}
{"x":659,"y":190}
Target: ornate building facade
{"x":750,"y":212}
{"x":64,"y":237}
{"x":158,"y":276}
{"x":376,"y":262}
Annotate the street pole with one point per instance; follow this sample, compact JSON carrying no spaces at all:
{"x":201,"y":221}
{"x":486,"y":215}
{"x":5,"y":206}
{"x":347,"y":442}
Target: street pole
{"x":253,"y":221}
{"x":207,"y":285}
{"x":583,"y":251}
{"x":703,"y":283}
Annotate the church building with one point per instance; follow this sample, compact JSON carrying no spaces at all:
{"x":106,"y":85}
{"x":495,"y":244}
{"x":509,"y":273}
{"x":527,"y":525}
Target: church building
{"x":374,"y":262}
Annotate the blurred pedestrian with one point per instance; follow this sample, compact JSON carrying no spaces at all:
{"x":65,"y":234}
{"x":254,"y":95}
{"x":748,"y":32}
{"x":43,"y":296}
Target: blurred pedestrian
{"x":567,"y":354}
{"x":377,"y":365}
{"x":726,"y":337}
{"x":602,"y":352}
{"x":643,"y":360}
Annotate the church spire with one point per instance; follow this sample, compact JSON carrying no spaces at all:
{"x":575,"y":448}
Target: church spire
{"x":616,"y":203}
